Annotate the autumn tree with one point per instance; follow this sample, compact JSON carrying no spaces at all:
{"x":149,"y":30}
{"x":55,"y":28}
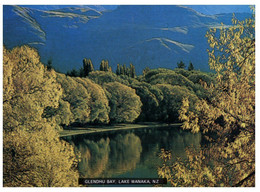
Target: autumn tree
{"x":226,"y":117}
{"x":98,"y":102}
{"x":125,"y":105}
{"x":33,"y":154}
{"x":77,"y":98}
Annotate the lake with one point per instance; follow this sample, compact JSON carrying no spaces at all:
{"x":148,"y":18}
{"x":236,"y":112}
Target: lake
{"x":129,"y":153}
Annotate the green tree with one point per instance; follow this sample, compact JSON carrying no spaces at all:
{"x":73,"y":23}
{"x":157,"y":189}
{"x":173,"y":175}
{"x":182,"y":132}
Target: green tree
{"x":101,"y":78}
{"x":118,"y":69}
{"x":49,"y":64}
{"x":122,"y":72}
{"x":106,"y":66}
{"x":124,"y":69}
{"x":191,"y":67}
{"x":151,"y":97}
{"x":81,"y":72}
{"x":102,"y":65}
{"x":172,"y":99}
{"x":73,"y":73}
{"x":146,"y":70}
{"x":87,"y":67}
{"x":132,"y":70}
{"x":181,"y":65}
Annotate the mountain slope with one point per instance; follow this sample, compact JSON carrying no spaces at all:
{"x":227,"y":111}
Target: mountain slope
{"x":220,"y":9}
{"x":147,"y":36}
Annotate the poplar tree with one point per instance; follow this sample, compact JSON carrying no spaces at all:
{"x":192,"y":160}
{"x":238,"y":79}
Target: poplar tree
{"x":87,"y":67}
{"x":102,"y":66}
{"x":118,"y":69}
{"x":191,"y":67}
{"x":132,"y":70}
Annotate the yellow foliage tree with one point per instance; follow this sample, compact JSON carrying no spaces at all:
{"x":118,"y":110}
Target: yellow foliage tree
{"x":226,"y":116}
{"x":77,"y":98}
{"x":99,"y":108}
{"x":33,"y":154}
{"x":125,"y":105}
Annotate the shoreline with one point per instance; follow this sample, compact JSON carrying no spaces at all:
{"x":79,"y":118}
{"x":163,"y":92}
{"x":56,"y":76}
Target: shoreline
{"x":89,"y":130}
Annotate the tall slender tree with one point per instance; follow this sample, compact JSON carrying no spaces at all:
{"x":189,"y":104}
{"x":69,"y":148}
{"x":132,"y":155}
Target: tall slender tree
{"x":122,"y":70}
{"x":191,"y":67}
{"x":87,"y":67}
{"x":132,"y":70}
{"x":118,"y":69}
{"x":102,"y":65}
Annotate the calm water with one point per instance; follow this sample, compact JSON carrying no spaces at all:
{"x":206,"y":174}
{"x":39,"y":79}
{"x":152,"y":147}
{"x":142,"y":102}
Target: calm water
{"x":129,"y":153}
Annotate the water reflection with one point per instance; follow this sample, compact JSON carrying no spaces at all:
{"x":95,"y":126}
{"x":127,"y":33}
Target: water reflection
{"x":131,"y":153}
{"x":94,"y":157}
{"x":125,"y":153}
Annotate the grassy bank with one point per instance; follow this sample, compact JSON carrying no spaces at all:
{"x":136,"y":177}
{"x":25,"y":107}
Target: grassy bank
{"x":88,"y":130}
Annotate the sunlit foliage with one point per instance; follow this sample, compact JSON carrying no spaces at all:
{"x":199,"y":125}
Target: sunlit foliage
{"x":125,"y":105}
{"x":99,"y":108}
{"x":227,"y":117}
{"x":77,"y":96}
{"x":27,"y":89}
{"x":101,"y":77}
{"x":33,"y":154}
{"x":38,"y":159}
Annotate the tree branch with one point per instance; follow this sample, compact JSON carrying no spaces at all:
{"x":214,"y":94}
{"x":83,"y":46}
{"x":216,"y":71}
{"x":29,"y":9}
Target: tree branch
{"x":245,"y":179}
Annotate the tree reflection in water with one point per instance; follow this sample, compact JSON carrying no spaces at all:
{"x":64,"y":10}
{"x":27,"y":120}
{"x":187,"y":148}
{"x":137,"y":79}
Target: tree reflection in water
{"x":119,"y":153}
{"x":94,"y":157}
{"x":107,"y":157}
{"x":125,"y":153}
